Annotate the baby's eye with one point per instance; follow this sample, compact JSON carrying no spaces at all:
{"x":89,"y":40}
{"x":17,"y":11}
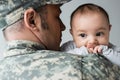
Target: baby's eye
{"x":82,"y":35}
{"x":99,"y":34}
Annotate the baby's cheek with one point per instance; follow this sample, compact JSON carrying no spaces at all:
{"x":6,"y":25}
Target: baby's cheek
{"x":104,"y":42}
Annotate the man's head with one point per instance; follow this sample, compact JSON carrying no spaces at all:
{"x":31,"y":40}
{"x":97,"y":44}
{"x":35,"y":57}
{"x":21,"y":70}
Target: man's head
{"x":90,"y":26}
{"x":34,"y":20}
{"x":12,"y":10}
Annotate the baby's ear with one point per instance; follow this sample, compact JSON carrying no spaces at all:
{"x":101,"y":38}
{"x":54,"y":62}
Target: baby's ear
{"x":110,"y":27}
{"x":71,"y":31}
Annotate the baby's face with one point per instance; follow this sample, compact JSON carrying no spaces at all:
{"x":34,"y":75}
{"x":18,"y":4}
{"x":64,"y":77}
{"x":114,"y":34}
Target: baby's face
{"x":90,"y":30}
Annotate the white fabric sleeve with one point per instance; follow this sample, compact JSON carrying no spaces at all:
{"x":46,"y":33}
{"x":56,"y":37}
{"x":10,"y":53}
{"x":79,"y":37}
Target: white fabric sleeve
{"x":67,"y":46}
{"x":79,"y":51}
{"x":70,"y":47}
{"x":112,"y":54}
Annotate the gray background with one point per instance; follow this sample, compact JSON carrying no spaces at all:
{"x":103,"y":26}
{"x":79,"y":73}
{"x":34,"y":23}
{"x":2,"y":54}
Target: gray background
{"x":111,"y":6}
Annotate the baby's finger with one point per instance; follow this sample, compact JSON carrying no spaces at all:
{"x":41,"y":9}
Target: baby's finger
{"x":90,"y":50}
{"x":96,"y":49}
{"x":100,"y":49}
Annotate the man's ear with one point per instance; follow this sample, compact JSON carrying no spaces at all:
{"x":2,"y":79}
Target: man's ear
{"x":30,"y":17}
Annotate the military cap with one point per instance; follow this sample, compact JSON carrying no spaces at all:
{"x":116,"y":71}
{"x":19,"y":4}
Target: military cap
{"x":12,"y":10}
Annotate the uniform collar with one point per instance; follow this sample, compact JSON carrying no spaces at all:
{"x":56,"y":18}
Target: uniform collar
{"x":22,"y":47}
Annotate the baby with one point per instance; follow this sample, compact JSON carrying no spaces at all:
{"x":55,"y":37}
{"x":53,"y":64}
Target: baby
{"x":90,"y":28}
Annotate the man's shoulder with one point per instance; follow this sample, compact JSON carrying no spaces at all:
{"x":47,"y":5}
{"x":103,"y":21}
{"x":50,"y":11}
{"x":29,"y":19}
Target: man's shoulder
{"x":57,"y":65}
{"x":43,"y":65}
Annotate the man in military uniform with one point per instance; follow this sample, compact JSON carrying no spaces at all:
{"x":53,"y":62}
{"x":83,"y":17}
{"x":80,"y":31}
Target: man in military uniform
{"x":33,"y":28}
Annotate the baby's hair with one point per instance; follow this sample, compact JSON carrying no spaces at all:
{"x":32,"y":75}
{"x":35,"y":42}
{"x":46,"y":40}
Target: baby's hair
{"x":89,"y":7}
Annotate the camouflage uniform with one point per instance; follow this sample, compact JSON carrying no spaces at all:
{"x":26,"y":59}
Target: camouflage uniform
{"x":25,"y":60}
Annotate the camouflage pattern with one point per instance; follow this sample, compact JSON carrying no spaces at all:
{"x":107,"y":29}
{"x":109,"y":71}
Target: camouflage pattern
{"x":29,"y":61}
{"x":12,"y":10}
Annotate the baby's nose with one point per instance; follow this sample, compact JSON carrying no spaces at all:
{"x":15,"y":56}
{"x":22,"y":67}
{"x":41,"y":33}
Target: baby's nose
{"x":92,"y":42}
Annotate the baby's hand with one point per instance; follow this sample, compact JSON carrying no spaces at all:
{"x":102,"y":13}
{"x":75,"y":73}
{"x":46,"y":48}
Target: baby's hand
{"x":100,"y":49}
{"x":97,"y":49}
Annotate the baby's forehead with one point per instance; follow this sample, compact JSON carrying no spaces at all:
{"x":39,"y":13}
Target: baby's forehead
{"x":90,"y":17}
{"x":89,"y":23}
{"x":90,"y":14}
